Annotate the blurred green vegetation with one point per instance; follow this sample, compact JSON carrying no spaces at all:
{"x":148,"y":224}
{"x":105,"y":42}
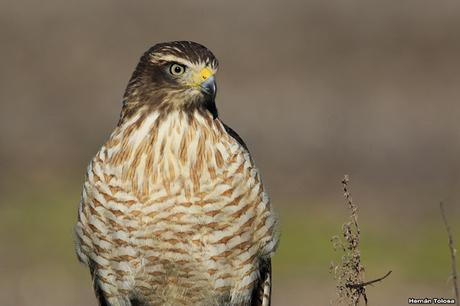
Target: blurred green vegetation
{"x":419,"y":254}
{"x":38,"y":223}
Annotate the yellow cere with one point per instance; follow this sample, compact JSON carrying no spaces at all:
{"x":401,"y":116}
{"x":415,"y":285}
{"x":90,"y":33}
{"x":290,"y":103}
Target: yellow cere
{"x":205,"y":73}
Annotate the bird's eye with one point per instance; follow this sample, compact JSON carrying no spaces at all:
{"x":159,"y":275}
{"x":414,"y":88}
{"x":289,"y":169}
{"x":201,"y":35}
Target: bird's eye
{"x":176,"y":69}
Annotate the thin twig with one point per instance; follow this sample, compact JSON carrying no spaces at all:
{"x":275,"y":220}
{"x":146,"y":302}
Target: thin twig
{"x":453,"y":252}
{"x":360,"y":285}
{"x":353,"y":207}
{"x":350,"y":270}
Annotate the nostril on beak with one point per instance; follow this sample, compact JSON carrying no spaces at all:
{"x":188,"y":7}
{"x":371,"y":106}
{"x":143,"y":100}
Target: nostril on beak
{"x":205,"y":74}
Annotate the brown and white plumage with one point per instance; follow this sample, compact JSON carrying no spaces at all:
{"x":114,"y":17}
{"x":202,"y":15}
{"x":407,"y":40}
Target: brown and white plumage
{"x":173,"y":210}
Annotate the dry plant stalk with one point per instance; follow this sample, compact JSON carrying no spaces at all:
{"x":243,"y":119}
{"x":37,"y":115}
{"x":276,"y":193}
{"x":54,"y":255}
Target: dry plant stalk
{"x":349,"y":273}
{"x":453,"y":253}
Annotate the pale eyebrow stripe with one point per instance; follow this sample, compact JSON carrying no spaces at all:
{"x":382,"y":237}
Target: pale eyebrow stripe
{"x":212,"y":64}
{"x":172,"y":58}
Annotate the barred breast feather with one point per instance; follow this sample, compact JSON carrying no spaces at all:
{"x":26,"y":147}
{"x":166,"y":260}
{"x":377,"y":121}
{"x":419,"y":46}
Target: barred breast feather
{"x":173,"y":212}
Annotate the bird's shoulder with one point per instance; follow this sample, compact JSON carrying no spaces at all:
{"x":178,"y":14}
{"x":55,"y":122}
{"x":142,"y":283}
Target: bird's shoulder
{"x":235,"y":136}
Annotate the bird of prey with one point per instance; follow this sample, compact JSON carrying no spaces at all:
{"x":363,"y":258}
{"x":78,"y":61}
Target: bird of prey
{"x":173,"y":210}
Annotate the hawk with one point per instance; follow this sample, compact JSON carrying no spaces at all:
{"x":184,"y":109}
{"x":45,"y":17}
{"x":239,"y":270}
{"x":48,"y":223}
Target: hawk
{"x":173,"y":210}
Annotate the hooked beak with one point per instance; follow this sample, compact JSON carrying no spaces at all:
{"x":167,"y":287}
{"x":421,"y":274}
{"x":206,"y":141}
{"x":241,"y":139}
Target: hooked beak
{"x":209,"y":86}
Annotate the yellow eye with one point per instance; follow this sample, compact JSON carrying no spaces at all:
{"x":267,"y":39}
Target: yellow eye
{"x":176,"y":69}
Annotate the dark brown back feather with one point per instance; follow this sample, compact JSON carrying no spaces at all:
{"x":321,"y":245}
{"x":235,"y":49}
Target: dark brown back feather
{"x":235,"y":135}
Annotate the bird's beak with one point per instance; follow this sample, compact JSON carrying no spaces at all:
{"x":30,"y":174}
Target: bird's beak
{"x":209,"y":86}
{"x":207,"y":82}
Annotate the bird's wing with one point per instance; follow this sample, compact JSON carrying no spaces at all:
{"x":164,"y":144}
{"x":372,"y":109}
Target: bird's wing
{"x":237,"y":137}
{"x":261,"y":296}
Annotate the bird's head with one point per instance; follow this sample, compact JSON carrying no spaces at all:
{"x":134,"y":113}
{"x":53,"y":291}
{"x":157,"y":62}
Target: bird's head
{"x":177,"y":74}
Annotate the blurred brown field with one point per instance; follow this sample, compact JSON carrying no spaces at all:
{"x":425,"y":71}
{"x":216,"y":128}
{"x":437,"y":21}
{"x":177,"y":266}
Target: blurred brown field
{"x":317,"y":89}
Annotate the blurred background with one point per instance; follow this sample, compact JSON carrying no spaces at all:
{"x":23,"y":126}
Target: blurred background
{"x":318,"y":89}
